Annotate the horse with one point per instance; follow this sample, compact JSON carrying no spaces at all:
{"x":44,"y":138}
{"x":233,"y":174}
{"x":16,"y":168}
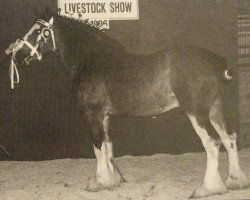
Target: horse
{"x":109,"y":81}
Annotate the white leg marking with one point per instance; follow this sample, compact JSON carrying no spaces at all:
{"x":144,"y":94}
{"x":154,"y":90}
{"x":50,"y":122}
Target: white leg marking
{"x":212,"y":183}
{"x":105,"y":123}
{"x":105,"y":165}
{"x":107,"y":174}
{"x":236,"y":178}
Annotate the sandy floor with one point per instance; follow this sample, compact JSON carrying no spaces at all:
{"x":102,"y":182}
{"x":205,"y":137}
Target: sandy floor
{"x":149,"y":177}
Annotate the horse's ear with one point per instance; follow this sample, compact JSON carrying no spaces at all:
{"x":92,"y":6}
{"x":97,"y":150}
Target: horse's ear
{"x":51,"y":21}
{"x":48,"y":11}
{"x":48,"y":15}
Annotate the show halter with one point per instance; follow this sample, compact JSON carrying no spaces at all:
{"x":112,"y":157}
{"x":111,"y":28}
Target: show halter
{"x":45,"y":34}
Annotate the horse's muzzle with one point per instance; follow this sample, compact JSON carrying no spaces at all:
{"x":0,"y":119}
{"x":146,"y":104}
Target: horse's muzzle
{"x":21,"y":57}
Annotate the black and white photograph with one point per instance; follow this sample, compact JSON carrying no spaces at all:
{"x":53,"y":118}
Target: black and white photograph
{"x":124,"y":99}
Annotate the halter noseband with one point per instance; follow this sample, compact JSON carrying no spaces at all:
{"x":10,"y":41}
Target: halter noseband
{"x":46,"y":33}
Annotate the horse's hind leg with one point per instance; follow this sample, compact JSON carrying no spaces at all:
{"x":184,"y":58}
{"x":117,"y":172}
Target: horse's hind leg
{"x":107,"y":174}
{"x":236,"y":178}
{"x":213,"y":183}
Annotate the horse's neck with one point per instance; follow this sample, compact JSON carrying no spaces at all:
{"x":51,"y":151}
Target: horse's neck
{"x":67,"y":48}
{"x":70,"y":45}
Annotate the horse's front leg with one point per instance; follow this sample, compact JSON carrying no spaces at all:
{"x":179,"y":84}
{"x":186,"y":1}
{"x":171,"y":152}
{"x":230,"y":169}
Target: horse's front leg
{"x":107,"y":174}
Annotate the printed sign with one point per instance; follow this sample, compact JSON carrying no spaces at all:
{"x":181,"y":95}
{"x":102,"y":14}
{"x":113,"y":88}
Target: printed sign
{"x":100,"y":9}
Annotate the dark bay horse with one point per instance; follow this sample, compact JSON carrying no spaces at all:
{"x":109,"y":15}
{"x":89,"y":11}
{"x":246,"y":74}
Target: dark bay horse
{"x":109,"y":81}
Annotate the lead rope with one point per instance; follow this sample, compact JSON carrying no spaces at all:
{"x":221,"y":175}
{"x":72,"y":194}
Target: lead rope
{"x":13,"y":72}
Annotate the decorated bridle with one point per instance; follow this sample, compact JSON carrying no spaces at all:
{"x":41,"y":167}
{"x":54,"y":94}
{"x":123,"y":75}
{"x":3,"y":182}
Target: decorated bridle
{"x":46,"y":33}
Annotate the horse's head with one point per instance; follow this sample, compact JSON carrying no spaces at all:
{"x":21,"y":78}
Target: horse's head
{"x":37,"y":41}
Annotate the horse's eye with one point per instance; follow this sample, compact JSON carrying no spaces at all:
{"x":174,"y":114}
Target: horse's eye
{"x":38,"y":31}
{"x":46,"y":33}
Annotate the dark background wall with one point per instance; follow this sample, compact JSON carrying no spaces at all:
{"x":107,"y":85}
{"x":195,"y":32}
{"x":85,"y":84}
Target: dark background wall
{"x":39,"y":119}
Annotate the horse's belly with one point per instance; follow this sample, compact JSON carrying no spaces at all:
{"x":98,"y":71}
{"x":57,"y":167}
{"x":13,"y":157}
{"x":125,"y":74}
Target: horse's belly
{"x":152,"y":109}
{"x":144,"y":102}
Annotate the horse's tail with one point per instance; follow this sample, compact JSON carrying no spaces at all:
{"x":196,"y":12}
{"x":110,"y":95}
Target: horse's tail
{"x":225,"y":72}
{"x":227,"y":75}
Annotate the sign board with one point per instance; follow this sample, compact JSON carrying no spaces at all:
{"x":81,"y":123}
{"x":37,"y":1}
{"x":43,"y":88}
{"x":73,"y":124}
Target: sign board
{"x":100,"y":9}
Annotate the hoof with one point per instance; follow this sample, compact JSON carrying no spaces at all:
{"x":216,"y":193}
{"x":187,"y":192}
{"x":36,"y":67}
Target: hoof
{"x":95,"y":185}
{"x":205,"y":191}
{"x":236,"y":182}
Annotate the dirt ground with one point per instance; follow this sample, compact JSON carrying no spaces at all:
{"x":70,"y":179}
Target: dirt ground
{"x":161,"y":176}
